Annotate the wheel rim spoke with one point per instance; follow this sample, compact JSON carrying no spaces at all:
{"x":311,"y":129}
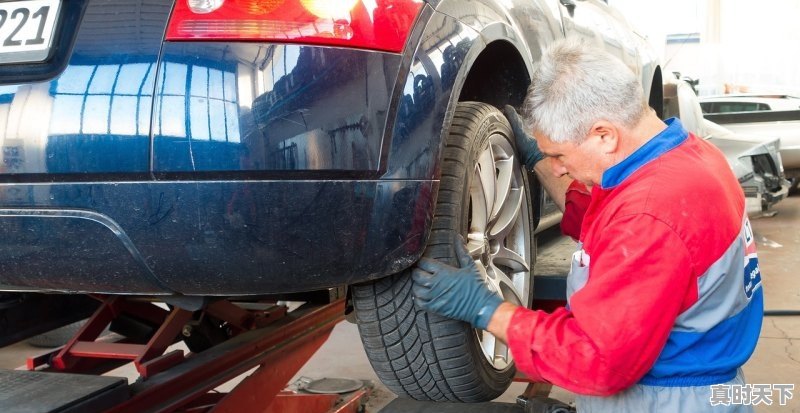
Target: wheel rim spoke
{"x":485,"y":274}
{"x":510,"y":259}
{"x":475,"y":245}
{"x":486,"y":173}
{"x":503,"y":284}
{"x":505,"y":171}
{"x":480,"y":215}
{"x":488,"y":343}
{"x":500,"y":353}
{"x":508,"y":214}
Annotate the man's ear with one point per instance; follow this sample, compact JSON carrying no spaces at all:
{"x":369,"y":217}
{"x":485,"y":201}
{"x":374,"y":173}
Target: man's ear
{"x":607,"y":136}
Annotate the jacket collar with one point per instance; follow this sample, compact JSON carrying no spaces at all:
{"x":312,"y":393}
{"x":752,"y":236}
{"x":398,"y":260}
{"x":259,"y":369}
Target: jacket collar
{"x":666,"y":140}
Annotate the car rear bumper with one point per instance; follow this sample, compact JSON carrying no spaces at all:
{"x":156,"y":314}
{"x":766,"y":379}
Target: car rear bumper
{"x":209,"y":237}
{"x":773,"y":197}
{"x":760,"y":200}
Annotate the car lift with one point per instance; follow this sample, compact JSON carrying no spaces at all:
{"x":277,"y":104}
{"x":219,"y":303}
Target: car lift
{"x":265,"y":338}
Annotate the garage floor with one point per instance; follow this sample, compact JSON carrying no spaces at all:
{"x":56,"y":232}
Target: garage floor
{"x":776,"y":360}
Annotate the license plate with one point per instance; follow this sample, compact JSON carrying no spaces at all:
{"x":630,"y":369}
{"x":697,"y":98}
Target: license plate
{"x":26,"y":29}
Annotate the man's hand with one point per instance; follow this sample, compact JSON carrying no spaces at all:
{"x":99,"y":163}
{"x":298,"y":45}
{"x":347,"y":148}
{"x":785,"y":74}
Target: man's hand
{"x":526,"y":144}
{"x":458,"y":293}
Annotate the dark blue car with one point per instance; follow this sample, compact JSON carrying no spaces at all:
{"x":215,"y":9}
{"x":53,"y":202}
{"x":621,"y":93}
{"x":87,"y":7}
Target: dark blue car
{"x":197,"y":148}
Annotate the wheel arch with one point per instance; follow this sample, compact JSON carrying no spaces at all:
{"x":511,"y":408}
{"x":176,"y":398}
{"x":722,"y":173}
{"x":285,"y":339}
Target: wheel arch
{"x":448,"y":59}
{"x":498,"y":76}
{"x":496,"y":57}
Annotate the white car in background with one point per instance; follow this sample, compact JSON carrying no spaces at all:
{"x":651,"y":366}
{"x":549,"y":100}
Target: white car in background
{"x":755,"y":161}
{"x":756,"y":116}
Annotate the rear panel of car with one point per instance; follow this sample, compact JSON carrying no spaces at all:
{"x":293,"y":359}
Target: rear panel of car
{"x":207,"y":167}
{"x":267,"y":107}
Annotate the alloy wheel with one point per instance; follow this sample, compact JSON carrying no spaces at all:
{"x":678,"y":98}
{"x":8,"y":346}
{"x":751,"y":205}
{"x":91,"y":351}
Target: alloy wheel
{"x":499,"y":236}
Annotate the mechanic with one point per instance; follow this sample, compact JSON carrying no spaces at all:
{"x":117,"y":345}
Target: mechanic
{"x":664,"y":294}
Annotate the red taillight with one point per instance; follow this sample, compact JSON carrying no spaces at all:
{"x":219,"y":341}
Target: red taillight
{"x":368,"y":24}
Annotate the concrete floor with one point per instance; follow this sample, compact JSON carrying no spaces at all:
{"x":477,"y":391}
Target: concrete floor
{"x":776,"y":360}
{"x":777,"y":356}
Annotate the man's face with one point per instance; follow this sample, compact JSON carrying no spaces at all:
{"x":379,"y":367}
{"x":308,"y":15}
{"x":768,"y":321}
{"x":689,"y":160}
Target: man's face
{"x":582,"y":162}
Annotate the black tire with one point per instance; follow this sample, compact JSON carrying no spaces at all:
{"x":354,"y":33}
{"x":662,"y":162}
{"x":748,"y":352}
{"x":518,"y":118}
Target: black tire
{"x":422,"y":355}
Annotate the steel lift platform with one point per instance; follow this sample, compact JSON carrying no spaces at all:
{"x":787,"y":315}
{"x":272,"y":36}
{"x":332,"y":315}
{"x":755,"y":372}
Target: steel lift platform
{"x":263,"y":338}
{"x":267,"y":338}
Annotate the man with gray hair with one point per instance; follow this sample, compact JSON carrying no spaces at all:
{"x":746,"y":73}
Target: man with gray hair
{"x":664,"y":299}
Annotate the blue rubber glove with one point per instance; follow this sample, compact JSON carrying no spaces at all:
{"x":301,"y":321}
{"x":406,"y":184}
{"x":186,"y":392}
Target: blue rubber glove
{"x":526,"y":145}
{"x":458,"y":293}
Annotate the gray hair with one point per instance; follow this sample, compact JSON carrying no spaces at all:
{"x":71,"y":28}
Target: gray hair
{"x":575,"y":85}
